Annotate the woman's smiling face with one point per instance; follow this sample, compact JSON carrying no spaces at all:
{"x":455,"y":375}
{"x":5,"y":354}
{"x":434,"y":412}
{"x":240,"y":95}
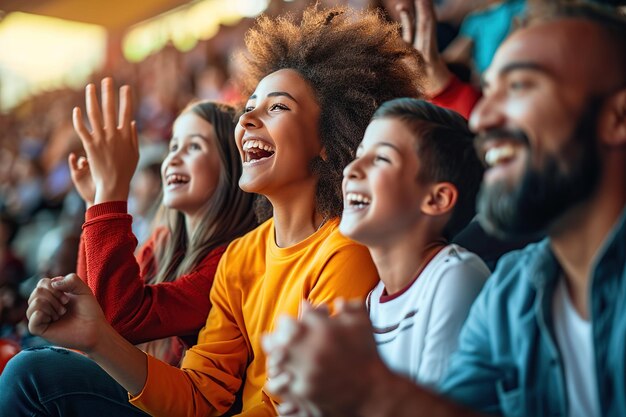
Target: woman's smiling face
{"x":278,"y":135}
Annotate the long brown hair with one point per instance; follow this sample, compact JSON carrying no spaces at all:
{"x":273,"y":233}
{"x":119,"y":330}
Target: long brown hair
{"x":228,"y":213}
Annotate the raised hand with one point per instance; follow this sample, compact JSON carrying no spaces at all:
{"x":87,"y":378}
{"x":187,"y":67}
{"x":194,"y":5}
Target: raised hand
{"x":63,"y":311}
{"x":419,"y":29}
{"x":81,"y":177}
{"x":111,"y":145}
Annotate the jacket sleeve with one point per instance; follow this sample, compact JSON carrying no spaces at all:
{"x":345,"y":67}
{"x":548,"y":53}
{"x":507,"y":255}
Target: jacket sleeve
{"x":211,"y":372}
{"x":138,"y":311}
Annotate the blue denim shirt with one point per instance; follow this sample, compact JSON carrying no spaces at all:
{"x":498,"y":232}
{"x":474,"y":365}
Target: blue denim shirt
{"x":508,"y":362}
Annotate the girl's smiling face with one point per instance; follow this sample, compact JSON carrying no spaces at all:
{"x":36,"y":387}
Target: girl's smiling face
{"x":278,"y":135}
{"x":191,"y":170}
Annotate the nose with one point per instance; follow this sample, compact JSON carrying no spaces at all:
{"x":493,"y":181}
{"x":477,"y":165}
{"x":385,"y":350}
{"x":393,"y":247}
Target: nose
{"x":353,"y":169}
{"x":488,"y":113}
{"x":249,"y":120}
{"x":172,"y":159}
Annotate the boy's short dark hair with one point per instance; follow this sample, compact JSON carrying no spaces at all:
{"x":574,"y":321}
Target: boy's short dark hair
{"x":445,"y":149}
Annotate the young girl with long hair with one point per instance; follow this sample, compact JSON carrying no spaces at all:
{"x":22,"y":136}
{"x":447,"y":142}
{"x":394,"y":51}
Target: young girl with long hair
{"x":314,"y":87}
{"x":203,"y":209}
{"x":162,"y":292}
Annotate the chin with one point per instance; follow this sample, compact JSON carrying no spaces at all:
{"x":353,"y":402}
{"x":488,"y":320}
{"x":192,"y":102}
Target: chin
{"x":248,"y":186}
{"x":349,"y":230}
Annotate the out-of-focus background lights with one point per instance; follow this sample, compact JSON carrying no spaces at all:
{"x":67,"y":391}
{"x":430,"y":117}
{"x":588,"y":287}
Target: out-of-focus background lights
{"x":186,"y":25}
{"x":39,"y":52}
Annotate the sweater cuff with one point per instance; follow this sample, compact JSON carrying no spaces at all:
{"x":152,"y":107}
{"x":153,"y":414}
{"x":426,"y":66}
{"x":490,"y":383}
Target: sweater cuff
{"x":450,"y":89}
{"x":150,"y":393}
{"x":110,"y":207}
{"x":458,"y":96}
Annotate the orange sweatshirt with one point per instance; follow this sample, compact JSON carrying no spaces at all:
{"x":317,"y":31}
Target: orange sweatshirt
{"x":256,"y":282}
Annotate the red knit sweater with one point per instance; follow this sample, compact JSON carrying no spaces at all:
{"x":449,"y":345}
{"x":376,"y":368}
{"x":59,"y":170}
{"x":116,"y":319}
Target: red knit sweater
{"x":458,"y":96}
{"x":138,"y":311}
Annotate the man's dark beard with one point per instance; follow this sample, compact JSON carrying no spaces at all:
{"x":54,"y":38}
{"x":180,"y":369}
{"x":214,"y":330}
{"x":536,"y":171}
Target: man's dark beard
{"x":544,"y":194}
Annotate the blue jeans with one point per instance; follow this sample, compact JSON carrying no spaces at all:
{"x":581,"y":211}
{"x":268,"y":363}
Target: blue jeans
{"x":57,"y":382}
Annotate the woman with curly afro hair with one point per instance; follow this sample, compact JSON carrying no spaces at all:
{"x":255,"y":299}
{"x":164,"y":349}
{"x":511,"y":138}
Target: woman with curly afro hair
{"x":313,"y":87}
{"x":353,"y":61}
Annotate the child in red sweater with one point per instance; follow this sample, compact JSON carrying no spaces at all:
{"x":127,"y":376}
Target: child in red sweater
{"x":204,"y":209}
{"x":163,"y":291}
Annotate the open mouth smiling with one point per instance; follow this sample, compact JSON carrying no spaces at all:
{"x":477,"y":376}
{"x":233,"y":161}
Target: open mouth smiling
{"x":504,"y":159}
{"x":500,"y":154}
{"x":357,"y":201}
{"x":256,"y":151}
{"x":174,"y":180}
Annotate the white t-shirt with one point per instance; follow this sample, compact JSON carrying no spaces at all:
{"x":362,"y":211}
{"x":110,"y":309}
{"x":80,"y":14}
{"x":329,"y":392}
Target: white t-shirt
{"x":575,"y":341}
{"x":417,"y":329}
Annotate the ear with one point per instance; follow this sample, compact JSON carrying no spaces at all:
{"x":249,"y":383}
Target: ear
{"x":612,"y":126}
{"x":440,"y":200}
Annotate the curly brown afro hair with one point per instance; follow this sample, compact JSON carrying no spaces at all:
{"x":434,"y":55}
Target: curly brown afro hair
{"x":353,"y":60}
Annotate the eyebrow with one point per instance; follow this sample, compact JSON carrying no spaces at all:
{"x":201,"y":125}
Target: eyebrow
{"x":384,"y":144}
{"x":389,"y":145}
{"x":515,"y":66}
{"x":276,"y":94}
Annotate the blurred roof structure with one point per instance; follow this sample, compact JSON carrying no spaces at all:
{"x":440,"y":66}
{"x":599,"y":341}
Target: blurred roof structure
{"x":114,"y":15}
{"x":49,"y":44}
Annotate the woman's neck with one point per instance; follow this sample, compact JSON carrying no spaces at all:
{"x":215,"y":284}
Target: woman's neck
{"x":399,"y":263}
{"x":295,"y":220}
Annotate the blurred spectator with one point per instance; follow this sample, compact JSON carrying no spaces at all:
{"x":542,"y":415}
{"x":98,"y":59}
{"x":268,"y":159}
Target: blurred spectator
{"x":22,"y":193}
{"x":143,"y":201}
{"x":482,"y":31}
{"x":11,"y":266}
{"x":12,"y":304}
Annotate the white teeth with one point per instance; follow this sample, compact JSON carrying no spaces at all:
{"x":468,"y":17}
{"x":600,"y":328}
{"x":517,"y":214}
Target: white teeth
{"x":355,"y":198}
{"x":499,"y":153}
{"x":251,"y":148}
{"x":176,"y":179}
{"x":257,"y":144}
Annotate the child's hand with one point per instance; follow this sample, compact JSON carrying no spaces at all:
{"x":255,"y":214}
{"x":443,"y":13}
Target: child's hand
{"x":64,"y":311}
{"x":112,"y":148}
{"x":81,"y":177}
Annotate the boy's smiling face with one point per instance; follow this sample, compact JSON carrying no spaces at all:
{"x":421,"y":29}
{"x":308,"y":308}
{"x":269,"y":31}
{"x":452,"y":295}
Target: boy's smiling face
{"x":381,"y":191}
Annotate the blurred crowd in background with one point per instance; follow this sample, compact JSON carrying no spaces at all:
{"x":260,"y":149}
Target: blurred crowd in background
{"x":40,"y":212}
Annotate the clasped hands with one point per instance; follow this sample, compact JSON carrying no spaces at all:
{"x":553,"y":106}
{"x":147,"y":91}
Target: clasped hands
{"x":321,"y":365}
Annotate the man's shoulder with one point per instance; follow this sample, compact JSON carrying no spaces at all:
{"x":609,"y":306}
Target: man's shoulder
{"x":514,"y":274}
